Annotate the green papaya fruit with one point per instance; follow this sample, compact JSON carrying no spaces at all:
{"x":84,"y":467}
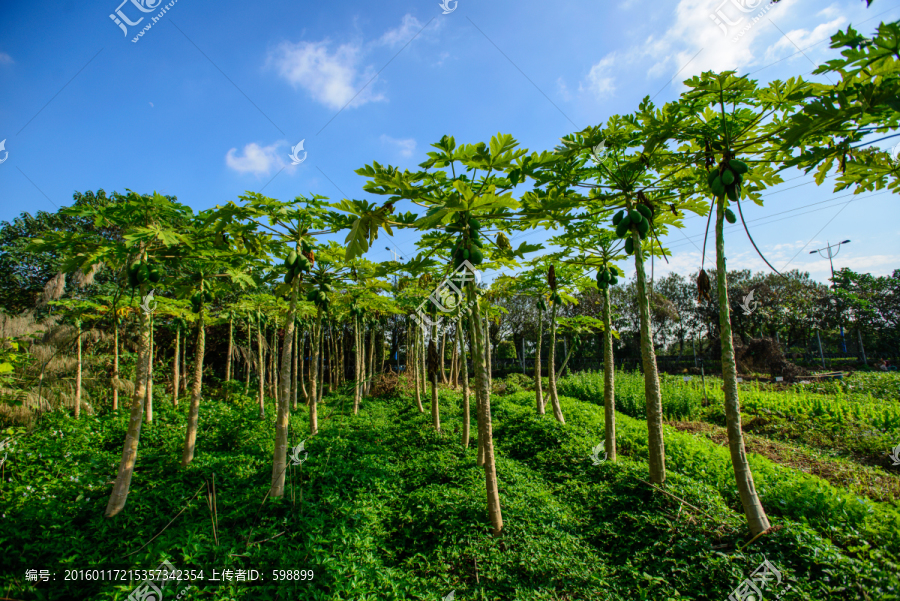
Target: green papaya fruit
{"x":207,"y":296}
{"x":288,"y":277}
{"x":474,"y":225}
{"x":739,"y":167}
{"x":727,"y":177}
{"x":635,"y":217}
{"x":645,"y":211}
{"x":618,"y":217}
{"x":155,"y":275}
{"x":466,"y":254}
{"x":738,"y":179}
{"x":629,"y":246}
{"x":729,"y":216}
{"x":731,"y":191}
{"x":291,"y":258}
{"x":143,"y":273}
{"x":476,"y":257}
{"x":711,"y":177}
{"x":717,"y":182}
{"x":626,"y":221}
{"x":311,"y":296}
{"x":643,"y":227}
{"x":621,"y":230}
{"x":613,"y":281}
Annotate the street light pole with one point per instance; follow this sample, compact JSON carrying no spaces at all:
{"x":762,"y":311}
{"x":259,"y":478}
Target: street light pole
{"x":834,"y":284}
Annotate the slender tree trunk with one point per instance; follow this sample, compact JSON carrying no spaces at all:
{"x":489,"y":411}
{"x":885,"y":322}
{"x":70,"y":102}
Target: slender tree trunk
{"x":369,"y":376}
{"x":149,"y":410}
{"x":176,"y":375}
{"x":300,"y":377}
{"x":756,"y":515}
{"x":133,"y":433}
{"x":417,"y":335}
{"x":262,"y":369}
{"x":443,"y":353}
{"x":433,"y":376}
{"x":484,"y":417}
{"x":487,"y":354}
{"x":313,"y":374}
{"x":454,"y":361}
{"x":538,"y":388}
{"x":196,"y":386}
{"x":609,"y":382}
{"x":464,"y":367}
{"x":279,"y":461}
{"x":78,"y":372}
{"x":249,"y":350}
{"x":475,"y":324}
{"x":297,"y":375}
{"x":230,"y":349}
{"x":652,"y":394}
{"x":357,"y":375}
{"x":551,"y":368}
{"x":115,"y":376}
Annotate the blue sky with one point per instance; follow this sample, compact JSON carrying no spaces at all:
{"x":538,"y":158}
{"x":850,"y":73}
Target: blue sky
{"x":210,"y":100}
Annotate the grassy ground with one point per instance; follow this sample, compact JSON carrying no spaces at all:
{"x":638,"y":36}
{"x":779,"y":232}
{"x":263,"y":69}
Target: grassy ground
{"x":384,"y":508}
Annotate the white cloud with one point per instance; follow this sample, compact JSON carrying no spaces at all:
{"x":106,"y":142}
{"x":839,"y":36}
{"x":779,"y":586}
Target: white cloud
{"x":599,"y":79}
{"x":256,"y":159}
{"x":405,"y":147}
{"x":332,"y":79}
{"x":441,"y":58}
{"x":399,"y":36}
{"x":5,"y":59}
{"x":802,"y":38}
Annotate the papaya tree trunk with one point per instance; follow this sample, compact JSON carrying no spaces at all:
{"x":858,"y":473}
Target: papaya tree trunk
{"x":297,"y":375}
{"x":78,"y":371}
{"x":357,"y":371}
{"x":454,"y":360}
{"x":279,"y":462}
{"x":149,"y":401}
{"x":443,"y":352}
{"x":756,"y":515}
{"x":551,"y":368}
{"x":115,"y":374}
{"x":369,"y":376}
{"x":652,"y":394}
{"x":133,"y":433}
{"x":538,"y":389}
{"x":488,"y":352}
{"x":417,"y":333}
{"x":230,"y":348}
{"x":313,"y":374}
{"x":261,"y":369}
{"x":475,"y":325}
{"x":176,"y":372}
{"x":433,"y":376}
{"x":190,"y":440}
{"x":249,"y":350}
{"x":300,"y":368}
{"x":609,"y":382}
{"x":464,"y":367}
{"x":485,"y":432}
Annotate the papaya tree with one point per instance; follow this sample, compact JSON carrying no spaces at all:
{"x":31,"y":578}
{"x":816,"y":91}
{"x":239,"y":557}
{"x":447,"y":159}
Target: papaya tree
{"x":457,"y":201}
{"x":151,"y":226}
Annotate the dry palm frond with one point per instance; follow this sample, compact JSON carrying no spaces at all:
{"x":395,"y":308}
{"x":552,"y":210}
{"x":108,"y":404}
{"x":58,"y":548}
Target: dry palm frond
{"x":16,"y":326}
{"x":53,"y":289}
{"x":551,"y":278}
{"x":703,"y":286}
{"x":61,"y":336}
{"x":35,"y":401}
{"x":86,"y":279}
{"x":126,"y":387}
{"x":246,"y":354}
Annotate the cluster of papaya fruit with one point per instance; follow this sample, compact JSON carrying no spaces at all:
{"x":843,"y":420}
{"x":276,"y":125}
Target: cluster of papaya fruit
{"x":640,"y":219}
{"x":468,"y":245}
{"x":556,"y":298}
{"x":200,"y":297}
{"x":606,"y":276}
{"x":321,"y":294}
{"x":141,"y":273}
{"x":357,"y":311}
{"x":726,"y":180}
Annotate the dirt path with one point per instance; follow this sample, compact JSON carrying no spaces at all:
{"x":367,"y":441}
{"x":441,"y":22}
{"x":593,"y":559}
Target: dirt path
{"x":870,"y":482}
